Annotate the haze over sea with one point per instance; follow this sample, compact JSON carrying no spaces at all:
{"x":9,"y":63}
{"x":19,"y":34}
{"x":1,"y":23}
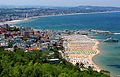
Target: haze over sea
{"x":109,"y":58}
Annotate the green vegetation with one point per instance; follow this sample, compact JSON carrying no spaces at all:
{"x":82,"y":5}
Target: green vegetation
{"x":35,"y":64}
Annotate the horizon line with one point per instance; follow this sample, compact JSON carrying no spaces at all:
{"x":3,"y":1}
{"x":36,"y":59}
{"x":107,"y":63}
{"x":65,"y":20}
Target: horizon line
{"x":56,"y":6}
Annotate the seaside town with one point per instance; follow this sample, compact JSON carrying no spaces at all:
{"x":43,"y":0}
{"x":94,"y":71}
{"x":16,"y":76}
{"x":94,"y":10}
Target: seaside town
{"x":73,"y":45}
{"x":60,"y":47}
{"x":59,"y":38}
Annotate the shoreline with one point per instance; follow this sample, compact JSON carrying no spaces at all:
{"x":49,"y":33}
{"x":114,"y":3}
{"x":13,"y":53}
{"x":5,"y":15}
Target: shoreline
{"x":96,"y":46}
{"x":99,"y":52}
{"x":35,"y":17}
{"x":14,"y":21}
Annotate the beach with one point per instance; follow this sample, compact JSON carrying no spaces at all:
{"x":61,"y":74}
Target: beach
{"x":11,"y":22}
{"x":81,"y":49}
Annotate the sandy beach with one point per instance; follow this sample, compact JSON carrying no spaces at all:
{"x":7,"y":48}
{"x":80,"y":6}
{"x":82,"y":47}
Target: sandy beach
{"x":11,"y":22}
{"x":14,"y":21}
{"x":81,"y":49}
{"x":98,"y":52}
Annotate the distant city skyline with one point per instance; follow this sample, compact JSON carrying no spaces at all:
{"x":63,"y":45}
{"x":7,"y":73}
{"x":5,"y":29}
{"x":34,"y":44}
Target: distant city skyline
{"x":113,"y":3}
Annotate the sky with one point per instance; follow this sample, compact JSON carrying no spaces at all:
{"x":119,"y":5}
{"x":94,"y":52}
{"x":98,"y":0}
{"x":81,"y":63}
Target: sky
{"x":114,"y":3}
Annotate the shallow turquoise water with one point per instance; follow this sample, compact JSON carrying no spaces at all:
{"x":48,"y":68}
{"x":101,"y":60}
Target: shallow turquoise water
{"x":109,"y":58}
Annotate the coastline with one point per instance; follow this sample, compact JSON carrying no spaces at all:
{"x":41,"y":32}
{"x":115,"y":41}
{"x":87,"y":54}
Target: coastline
{"x":35,"y":17}
{"x":98,"y":53}
{"x":14,"y":21}
{"x":26,"y":19}
{"x":96,"y":61}
{"x":96,"y":46}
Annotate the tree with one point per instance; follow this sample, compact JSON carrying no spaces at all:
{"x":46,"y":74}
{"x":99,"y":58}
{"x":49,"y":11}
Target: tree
{"x":28,"y":64}
{"x":63,"y":75}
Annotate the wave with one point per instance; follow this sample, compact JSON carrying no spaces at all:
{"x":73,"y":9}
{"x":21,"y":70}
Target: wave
{"x":116,"y":33}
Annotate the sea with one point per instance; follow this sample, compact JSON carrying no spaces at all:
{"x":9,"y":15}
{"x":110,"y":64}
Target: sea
{"x":109,"y":58}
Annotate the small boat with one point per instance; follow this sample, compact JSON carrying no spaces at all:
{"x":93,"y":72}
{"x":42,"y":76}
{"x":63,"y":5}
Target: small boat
{"x":111,"y":40}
